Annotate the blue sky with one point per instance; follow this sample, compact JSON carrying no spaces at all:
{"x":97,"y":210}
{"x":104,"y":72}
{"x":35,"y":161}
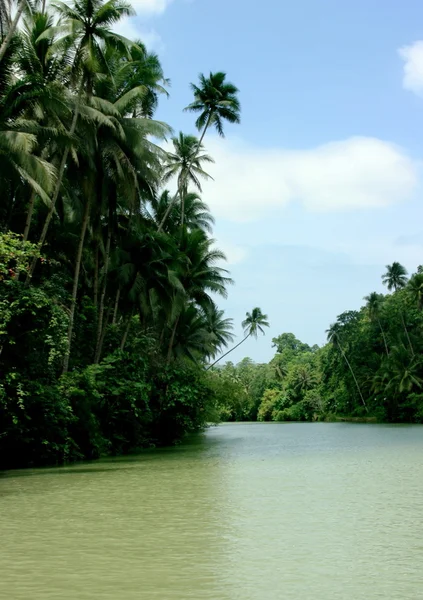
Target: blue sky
{"x":320,"y":186}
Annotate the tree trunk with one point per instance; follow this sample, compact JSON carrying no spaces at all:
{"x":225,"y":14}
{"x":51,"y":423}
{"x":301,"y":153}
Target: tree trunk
{"x":96,"y":277}
{"x":116,"y":307}
{"x":384,"y":337}
{"x":103,"y":334}
{"x":172,"y":340}
{"x":84,"y":225}
{"x":56,"y":189}
{"x":125,"y":333}
{"x":103,"y":294}
{"x":406,"y":333}
{"x":12,"y":29}
{"x":228,"y":352}
{"x":354,"y":377}
{"x":29,"y":216}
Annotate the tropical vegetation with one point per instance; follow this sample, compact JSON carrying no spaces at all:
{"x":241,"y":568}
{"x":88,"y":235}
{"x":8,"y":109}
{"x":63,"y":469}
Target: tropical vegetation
{"x":108,"y":278}
{"x":371,"y":369}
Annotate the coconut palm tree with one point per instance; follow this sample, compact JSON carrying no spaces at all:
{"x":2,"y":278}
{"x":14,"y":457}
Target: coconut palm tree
{"x":197,"y":213}
{"x":333,"y":336}
{"x":181,"y":164}
{"x":84,"y":26}
{"x":254,"y":322}
{"x":396,"y":279}
{"x":374,"y":304}
{"x":217,"y":101}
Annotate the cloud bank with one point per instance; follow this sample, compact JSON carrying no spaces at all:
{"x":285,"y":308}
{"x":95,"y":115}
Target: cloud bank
{"x":356,"y":173}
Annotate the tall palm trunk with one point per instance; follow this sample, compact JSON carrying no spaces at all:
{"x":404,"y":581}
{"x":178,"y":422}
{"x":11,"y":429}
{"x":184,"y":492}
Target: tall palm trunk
{"x":84,"y":226}
{"x":103,"y":334}
{"x":103,"y":294}
{"x":115,"y":310}
{"x":29,"y":216}
{"x":172,"y":340}
{"x":12,"y":29}
{"x":126,"y":332}
{"x":183,"y":182}
{"x":96,"y":268}
{"x":228,"y":352}
{"x":57,"y":187}
{"x":383,"y":336}
{"x":353,"y":375}
{"x":406,"y":333}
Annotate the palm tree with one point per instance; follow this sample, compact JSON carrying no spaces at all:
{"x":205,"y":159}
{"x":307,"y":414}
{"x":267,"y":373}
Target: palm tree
{"x":197,"y":213}
{"x":374,"y":304}
{"x":253,"y":323}
{"x":84,"y":26}
{"x":126,"y":162}
{"x":415,"y":286}
{"x":334,"y":338}
{"x":198,"y":275}
{"x":219,"y":328}
{"x":181,"y":163}
{"x":217,"y":101}
{"x":395,"y":279}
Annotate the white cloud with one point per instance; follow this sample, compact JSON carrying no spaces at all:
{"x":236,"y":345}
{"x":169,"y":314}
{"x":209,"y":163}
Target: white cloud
{"x":234,"y":253}
{"x":413,"y":67}
{"x":356,"y":173}
{"x":133,"y":30}
{"x":150,"y":7}
{"x":134,"y":27}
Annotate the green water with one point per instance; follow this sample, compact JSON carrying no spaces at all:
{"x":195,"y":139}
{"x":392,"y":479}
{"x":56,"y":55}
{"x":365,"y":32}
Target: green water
{"x":244,"y":512}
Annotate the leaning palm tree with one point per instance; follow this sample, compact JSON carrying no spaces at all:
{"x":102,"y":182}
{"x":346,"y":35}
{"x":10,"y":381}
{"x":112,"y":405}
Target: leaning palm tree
{"x":395,"y":279}
{"x":333,"y":334}
{"x":185,"y":163}
{"x":254,"y":322}
{"x":374,"y":304}
{"x":217,"y":101}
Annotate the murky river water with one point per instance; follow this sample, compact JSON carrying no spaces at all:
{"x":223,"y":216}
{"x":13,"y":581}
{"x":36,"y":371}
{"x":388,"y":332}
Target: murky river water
{"x":244,"y":512}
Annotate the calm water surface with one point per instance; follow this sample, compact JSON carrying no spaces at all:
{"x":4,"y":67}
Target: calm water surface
{"x":244,"y":512}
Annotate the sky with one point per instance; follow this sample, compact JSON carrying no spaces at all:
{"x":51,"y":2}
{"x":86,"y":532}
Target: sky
{"x":320,"y":186}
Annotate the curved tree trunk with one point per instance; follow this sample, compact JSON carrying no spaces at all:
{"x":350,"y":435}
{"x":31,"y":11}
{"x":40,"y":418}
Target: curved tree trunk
{"x":384,"y":337}
{"x":354,"y":377}
{"x":406,"y":333}
{"x":84,"y":225}
{"x":228,"y":352}
{"x":12,"y":29}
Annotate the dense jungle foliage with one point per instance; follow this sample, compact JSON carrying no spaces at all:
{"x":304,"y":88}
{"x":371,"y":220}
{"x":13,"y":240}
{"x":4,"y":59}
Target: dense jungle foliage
{"x":371,"y":369}
{"x":108,"y":281}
